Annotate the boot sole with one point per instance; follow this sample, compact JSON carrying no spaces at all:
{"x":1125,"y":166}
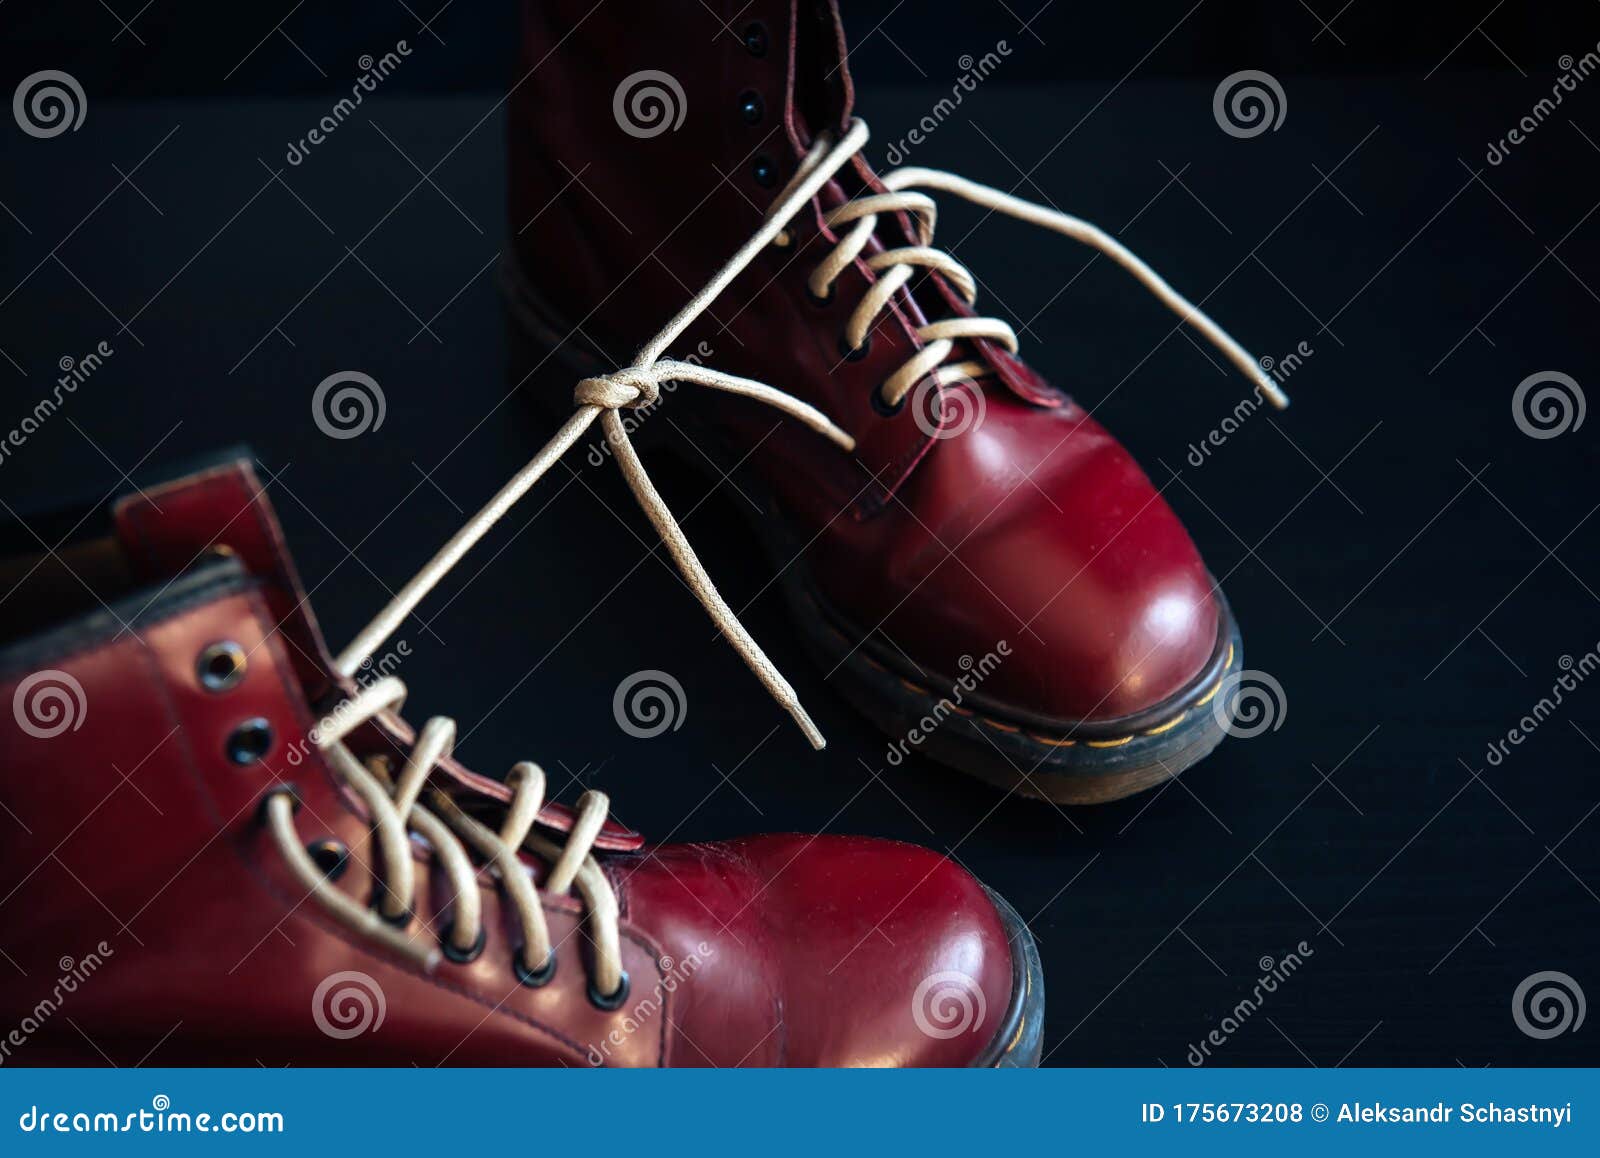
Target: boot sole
{"x":943,"y":717}
{"x":1020,"y":1040}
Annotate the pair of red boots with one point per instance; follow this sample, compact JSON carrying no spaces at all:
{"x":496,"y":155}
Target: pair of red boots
{"x":226,"y":847}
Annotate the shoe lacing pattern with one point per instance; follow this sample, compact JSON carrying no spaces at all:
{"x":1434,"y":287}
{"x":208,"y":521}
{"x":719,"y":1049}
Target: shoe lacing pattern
{"x":396,"y":809}
{"x":895,"y":267}
{"x":638,"y":385}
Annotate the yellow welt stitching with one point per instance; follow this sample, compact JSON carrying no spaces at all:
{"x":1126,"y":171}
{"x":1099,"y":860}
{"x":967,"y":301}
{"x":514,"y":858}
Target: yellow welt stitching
{"x":1051,"y":740}
{"x":1215,"y":688}
{"x":1022,"y":1024}
{"x":998,"y":726}
{"x":921,"y":691}
{"x":1168,"y":726}
{"x":1109,"y":743}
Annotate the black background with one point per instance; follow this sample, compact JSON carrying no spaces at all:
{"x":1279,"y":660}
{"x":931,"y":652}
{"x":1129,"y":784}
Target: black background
{"x":194,"y":48}
{"x":1405,"y":562}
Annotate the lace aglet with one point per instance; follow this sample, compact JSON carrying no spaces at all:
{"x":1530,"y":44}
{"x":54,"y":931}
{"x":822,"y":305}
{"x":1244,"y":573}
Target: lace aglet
{"x":812,"y":732}
{"x":1274,"y":395}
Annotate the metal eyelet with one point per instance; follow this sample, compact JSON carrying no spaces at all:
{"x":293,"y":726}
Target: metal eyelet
{"x":286,"y":789}
{"x":381,"y":893}
{"x":332,"y":856}
{"x":401,"y":920}
{"x":534,"y":978}
{"x":880,"y":404}
{"x":765,"y":172}
{"x":608,"y":1002}
{"x":755,"y":38}
{"x":751,"y":107}
{"x":463,"y":956}
{"x":221,"y":666}
{"x":250,"y":741}
{"x":857,"y":353}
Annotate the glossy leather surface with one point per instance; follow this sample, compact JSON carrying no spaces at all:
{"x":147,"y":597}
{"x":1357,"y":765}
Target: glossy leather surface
{"x":1035,"y":527}
{"x":137,"y":830}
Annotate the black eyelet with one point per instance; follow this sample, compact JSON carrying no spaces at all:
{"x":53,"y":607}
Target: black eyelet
{"x":534,"y":978}
{"x":221,"y":666}
{"x":881,"y":405}
{"x":612,"y":1001}
{"x":288,"y":790}
{"x":400,"y":920}
{"x":860,"y":352}
{"x":380,"y":893}
{"x":755,"y":38}
{"x":817,"y":299}
{"x":751,"y":107}
{"x":332,"y":856}
{"x":765,"y":172}
{"x":467,"y":956}
{"x":250,"y":741}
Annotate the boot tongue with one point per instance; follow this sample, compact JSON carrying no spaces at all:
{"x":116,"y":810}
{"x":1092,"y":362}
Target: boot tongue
{"x":821,"y":95}
{"x":166,"y":529}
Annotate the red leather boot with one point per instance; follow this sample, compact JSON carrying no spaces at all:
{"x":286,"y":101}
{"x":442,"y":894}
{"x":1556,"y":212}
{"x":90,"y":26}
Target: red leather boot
{"x":219,"y":849}
{"x":970,"y":556}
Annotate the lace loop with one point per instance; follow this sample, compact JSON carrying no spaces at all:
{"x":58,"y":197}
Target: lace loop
{"x":862,"y":211}
{"x":395,"y":809}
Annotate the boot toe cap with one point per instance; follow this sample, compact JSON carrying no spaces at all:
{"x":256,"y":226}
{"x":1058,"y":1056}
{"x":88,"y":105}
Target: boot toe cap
{"x":899,"y":957}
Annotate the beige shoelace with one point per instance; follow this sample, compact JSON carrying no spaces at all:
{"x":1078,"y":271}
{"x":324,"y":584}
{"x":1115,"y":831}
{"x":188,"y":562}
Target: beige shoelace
{"x":895,"y":267}
{"x":638,"y":385}
{"x":396,"y":806}
{"x":396,"y":809}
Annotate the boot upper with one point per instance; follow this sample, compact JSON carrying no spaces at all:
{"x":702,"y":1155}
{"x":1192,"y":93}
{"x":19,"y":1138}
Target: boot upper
{"x":140,"y":846}
{"x":1032,"y":526}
